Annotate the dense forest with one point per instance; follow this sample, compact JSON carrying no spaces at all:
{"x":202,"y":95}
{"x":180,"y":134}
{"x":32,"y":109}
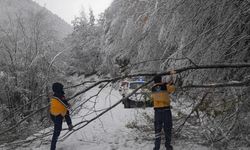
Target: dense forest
{"x":132,"y":37}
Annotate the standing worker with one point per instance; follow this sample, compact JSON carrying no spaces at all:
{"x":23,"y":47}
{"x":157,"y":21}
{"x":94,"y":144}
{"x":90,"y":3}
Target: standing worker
{"x":58,"y":111}
{"x":163,"y":116}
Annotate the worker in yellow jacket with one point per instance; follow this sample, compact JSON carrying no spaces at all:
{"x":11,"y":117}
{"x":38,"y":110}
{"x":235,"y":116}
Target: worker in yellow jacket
{"x":58,"y":111}
{"x":163,"y":116}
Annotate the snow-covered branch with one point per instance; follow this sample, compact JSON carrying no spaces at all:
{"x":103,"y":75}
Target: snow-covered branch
{"x":84,"y":123}
{"x":180,"y":70}
{"x":244,"y":83}
{"x":218,"y":85}
{"x":25,"y":118}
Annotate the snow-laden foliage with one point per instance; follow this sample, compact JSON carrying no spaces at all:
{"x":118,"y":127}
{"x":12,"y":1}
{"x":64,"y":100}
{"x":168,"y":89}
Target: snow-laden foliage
{"x":28,"y":44}
{"x":158,"y":35}
{"x":84,"y":46}
{"x":157,"y":29}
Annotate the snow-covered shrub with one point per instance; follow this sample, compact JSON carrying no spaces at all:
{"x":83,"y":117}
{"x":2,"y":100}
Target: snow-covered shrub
{"x":143,"y":125}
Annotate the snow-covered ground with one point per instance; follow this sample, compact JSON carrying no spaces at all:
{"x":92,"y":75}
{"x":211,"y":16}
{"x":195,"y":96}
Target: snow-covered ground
{"x":109,"y":132}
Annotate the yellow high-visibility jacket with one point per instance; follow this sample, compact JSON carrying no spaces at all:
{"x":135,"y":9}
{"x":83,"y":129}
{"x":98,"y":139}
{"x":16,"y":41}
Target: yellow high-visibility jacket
{"x":160,"y":94}
{"x":57,"y":107}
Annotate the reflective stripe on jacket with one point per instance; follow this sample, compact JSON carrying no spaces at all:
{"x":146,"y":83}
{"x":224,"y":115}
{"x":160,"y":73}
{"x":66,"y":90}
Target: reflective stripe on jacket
{"x":160,"y":94}
{"x":57,"y":107}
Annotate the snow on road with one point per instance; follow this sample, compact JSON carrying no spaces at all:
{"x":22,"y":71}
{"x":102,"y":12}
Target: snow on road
{"x":109,"y":132}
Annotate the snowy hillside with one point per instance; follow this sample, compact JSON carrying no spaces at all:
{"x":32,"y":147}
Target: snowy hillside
{"x":12,"y":9}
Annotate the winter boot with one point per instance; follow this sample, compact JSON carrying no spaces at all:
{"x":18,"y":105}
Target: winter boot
{"x":170,"y":147}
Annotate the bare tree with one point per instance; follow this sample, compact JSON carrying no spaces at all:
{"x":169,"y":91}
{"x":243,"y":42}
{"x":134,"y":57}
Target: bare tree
{"x":25,"y":42}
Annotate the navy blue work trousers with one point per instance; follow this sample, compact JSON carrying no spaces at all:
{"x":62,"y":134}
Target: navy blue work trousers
{"x":58,"y":120}
{"x":163,"y":119}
